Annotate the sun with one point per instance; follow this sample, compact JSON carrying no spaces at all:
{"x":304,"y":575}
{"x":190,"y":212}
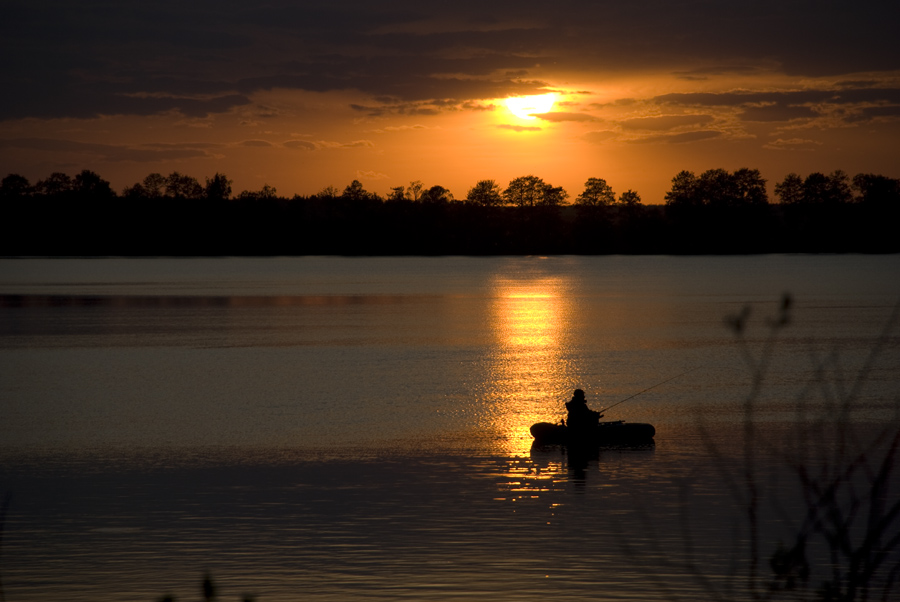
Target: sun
{"x":526,"y":107}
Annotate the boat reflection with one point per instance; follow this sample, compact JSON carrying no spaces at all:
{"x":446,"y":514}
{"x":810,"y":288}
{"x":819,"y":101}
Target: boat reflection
{"x":558,"y":468}
{"x":575,"y":462}
{"x":529,"y":374}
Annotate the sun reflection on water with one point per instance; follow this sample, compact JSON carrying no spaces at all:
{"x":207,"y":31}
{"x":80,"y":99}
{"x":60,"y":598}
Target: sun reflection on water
{"x":529,"y":373}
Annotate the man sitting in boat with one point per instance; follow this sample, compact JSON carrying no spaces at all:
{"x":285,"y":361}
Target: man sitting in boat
{"x":580,"y":415}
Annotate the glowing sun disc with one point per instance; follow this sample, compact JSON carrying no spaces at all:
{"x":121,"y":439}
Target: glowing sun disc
{"x":525,"y":107}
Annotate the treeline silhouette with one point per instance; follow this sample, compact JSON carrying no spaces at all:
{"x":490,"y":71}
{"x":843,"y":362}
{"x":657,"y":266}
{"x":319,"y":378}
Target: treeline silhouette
{"x":716,"y":212}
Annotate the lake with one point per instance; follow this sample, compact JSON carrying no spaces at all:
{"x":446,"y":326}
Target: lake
{"x":327,"y":428}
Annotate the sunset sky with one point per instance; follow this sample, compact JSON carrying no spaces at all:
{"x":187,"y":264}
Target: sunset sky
{"x":303,"y":95}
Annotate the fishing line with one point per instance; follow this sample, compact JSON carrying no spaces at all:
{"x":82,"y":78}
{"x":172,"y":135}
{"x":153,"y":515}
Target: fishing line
{"x":647,"y":389}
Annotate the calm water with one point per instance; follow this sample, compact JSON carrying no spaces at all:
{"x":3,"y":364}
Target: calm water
{"x":347,"y":429}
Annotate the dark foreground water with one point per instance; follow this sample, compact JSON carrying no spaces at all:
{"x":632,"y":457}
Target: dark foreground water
{"x":348,"y":429}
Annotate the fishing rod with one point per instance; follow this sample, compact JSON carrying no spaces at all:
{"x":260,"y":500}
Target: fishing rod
{"x":647,"y":389}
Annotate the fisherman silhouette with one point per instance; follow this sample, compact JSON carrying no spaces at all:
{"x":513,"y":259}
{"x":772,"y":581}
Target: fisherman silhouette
{"x":581,"y":417}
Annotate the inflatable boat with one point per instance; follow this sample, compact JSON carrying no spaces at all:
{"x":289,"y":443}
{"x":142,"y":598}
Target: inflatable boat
{"x":618,"y":432}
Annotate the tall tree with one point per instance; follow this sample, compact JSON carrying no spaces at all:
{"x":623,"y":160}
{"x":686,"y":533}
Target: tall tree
{"x":839,"y":190}
{"x":414,"y":190}
{"x":684,"y":190}
{"x":815,"y":189}
{"x":790,"y":189}
{"x":749,"y":188}
{"x":218,"y":188}
{"x":552,"y":196}
{"x":135,"y":191}
{"x":55,"y":183}
{"x":329,"y":192}
{"x":90,"y":183}
{"x":437,"y":195}
{"x":182,"y":186}
{"x":486,"y":193}
{"x":397,"y":194}
{"x":15,"y":185}
{"x":833,"y":189}
{"x":597,"y":193}
{"x":155,"y":185}
{"x":355,"y":192}
{"x":876,"y":189}
{"x":716,"y":188}
{"x":629,"y":198}
{"x":265,"y":193}
{"x":525,"y":191}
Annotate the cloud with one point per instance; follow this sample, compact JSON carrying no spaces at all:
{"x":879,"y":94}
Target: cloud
{"x":793,"y":144}
{"x":399,"y":128}
{"x":433,"y":106}
{"x":86,"y":100}
{"x":598,"y":137}
{"x":353,"y":144}
{"x":519,"y":128}
{"x":300,"y":144}
{"x":857,"y":83}
{"x":618,"y":103}
{"x":557,"y":116}
{"x":326,"y":144}
{"x":178,"y":145}
{"x":256,"y":143}
{"x":846,"y":105}
{"x":206,"y":57}
{"x":108,"y":152}
{"x":665,"y":122}
{"x":744,"y":98}
{"x":875,"y":113}
{"x":371,"y":175}
{"x":777,"y":112}
{"x":682,"y":138}
{"x":357,"y":144}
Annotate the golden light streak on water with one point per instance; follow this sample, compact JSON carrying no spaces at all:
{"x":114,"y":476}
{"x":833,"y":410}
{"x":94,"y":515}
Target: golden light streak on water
{"x":530,"y":376}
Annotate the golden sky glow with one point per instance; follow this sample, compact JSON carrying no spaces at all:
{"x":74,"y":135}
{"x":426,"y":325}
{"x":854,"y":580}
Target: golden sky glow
{"x":306,"y":95}
{"x":527,"y":107}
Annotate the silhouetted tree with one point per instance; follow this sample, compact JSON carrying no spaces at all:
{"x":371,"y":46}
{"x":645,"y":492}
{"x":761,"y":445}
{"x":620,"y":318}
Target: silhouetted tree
{"x":437,"y":195}
{"x":218,"y":188}
{"x":839,"y":187}
{"x":265,"y":193}
{"x":531,"y":191}
{"x":597,"y":193}
{"x":749,"y":188}
{"x":684,"y":191}
{"x":877,"y":190}
{"x":414,"y":190}
{"x":155,"y":185}
{"x":718,"y":212}
{"x":182,"y":186}
{"x":15,"y":185}
{"x":790,"y":190}
{"x":524,"y":191}
{"x":629,"y":198}
{"x":329,"y":192}
{"x":485,"y":193}
{"x":55,"y":183}
{"x":718,"y":188}
{"x":91,"y":184}
{"x":355,"y":192}
{"x":135,"y":191}
{"x":833,"y":189}
{"x":553,"y":196}
{"x":397,"y":194}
